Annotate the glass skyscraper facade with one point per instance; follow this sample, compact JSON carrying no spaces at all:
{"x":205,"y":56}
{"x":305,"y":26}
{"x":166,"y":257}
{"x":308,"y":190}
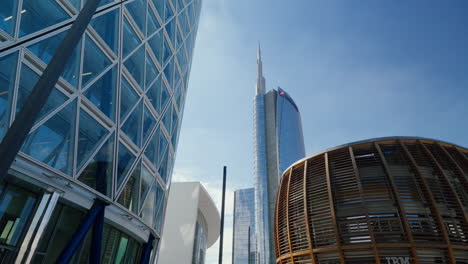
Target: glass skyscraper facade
{"x":278,"y":142}
{"x":109,"y":129}
{"x":243,"y":241}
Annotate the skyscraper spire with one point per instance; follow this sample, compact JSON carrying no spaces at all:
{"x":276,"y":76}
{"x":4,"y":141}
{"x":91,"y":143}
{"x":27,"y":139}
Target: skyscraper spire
{"x":260,"y":78}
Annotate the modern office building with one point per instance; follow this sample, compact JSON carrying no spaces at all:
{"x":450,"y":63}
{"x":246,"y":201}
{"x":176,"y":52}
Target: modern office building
{"x":397,"y":200}
{"x":107,"y":133}
{"x":191,"y":225}
{"x":243,"y":238}
{"x":278,"y":142}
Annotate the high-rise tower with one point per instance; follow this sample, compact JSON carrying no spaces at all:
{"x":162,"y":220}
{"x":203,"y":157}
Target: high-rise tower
{"x":278,"y":142}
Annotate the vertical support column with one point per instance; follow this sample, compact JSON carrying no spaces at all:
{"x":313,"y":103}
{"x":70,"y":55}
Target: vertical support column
{"x":145,"y":256}
{"x":369,"y":226}
{"x":96,"y":243}
{"x":401,"y":208}
{"x":287,"y":215}
{"x":431,"y":199}
{"x":332,"y":210}
{"x":306,"y":215}
{"x":447,"y":182}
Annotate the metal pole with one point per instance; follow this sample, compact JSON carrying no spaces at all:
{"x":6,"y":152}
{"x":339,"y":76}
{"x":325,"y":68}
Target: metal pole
{"x":221,"y":231}
{"x":24,"y":121}
{"x":248,"y":247}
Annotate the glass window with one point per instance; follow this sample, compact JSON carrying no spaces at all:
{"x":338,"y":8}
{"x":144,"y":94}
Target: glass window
{"x":46,"y":48}
{"x":151,"y":149}
{"x":154,"y":93}
{"x":8,"y":10}
{"x":52,"y":143}
{"x":162,"y":147}
{"x":168,"y":13}
{"x":130,"y":193}
{"x":151,"y":71}
{"x":135,"y":66}
{"x":133,"y":125}
{"x":128,"y":98}
{"x":137,"y":10}
{"x":146,"y":180}
{"x":102,"y":93}
{"x":159,"y":208}
{"x":167,"y":119}
{"x":153,"y":23}
{"x":90,"y":135}
{"x":117,"y":247}
{"x":27,"y":81}
{"x":94,"y":61}
{"x":130,"y":39}
{"x":126,"y":159}
{"x":163,"y":166}
{"x":37,"y":15}
{"x":156,"y":45}
{"x":159,"y":7}
{"x":148,"y":123}
{"x":7,"y":83}
{"x":169,"y":72}
{"x":167,"y":52}
{"x":147,"y":212}
{"x":107,"y":26}
{"x":171,"y":28}
{"x":98,"y":172}
{"x":164,"y":97}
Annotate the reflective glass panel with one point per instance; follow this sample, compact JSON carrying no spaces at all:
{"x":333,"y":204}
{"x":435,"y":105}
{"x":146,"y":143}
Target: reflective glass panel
{"x":126,"y":159}
{"x":159,"y":7}
{"x":8,"y":10}
{"x":107,"y":26}
{"x":147,"y":213}
{"x":90,"y":135}
{"x":102,"y":93}
{"x":130,"y":193}
{"x":156,"y":45}
{"x":168,"y":14}
{"x":98,"y":172}
{"x":135,"y":66}
{"x":148,"y":123}
{"x":159,"y":208}
{"x":164,"y":97}
{"x":153,"y":23}
{"x":154,"y":93}
{"x":128,"y":98}
{"x":133,"y":124}
{"x":163,"y":166}
{"x":146,"y":180}
{"x":167,"y":52}
{"x":46,"y":48}
{"x":162,"y":147}
{"x":37,"y":15}
{"x":130,"y":39}
{"x":52,"y":143}
{"x":169,"y":72}
{"x":27,"y":81}
{"x":94,"y":61}
{"x":7,"y":83}
{"x":151,"y":150}
{"x":167,"y":119}
{"x":151,"y":71}
{"x":171,"y":28}
{"x":137,"y":10}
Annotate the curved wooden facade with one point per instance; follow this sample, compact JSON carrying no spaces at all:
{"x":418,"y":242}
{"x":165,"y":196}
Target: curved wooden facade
{"x":393,"y":200}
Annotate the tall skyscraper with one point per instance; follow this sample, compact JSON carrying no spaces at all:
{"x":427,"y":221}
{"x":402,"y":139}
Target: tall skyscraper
{"x":278,"y":142}
{"x":243,"y":239}
{"x":108,"y":131}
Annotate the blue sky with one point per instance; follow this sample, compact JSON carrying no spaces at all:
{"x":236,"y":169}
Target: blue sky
{"x":356,"y":69}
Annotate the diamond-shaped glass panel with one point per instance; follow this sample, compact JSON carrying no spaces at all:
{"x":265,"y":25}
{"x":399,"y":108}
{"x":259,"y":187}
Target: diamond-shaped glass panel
{"x":46,"y":48}
{"x":151,"y":150}
{"x":146,"y":180}
{"x":27,"y":81}
{"x":171,"y":29}
{"x":163,"y":166}
{"x":168,"y":14}
{"x":148,"y":123}
{"x":8,"y":10}
{"x":107,"y":26}
{"x":167,"y":119}
{"x":159,"y":208}
{"x":153,"y":23}
{"x":128,"y":98}
{"x":164,"y":97}
{"x":37,"y":15}
{"x":94,"y":61}
{"x":102,"y":93}
{"x":135,"y":65}
{"x":162,"y":148}
{"x":137,"y":10}
{"x":98,"y":172}
{"x":130,"y":39}
{"x":154,"y":93}
{"x":126,"y":159}
{"x":156,"y":45}
{"x":7,"y":84}
{"x":133,"y":124}
{"x":52,"y":143}
{"x":147,"y":212}
{"x":90,"y":135}
{"x":159,"y":7}
{"x":151,"y":71}
{"x":167,"y":52}
{"x":169,"y":72}
{"x":130,"y":193}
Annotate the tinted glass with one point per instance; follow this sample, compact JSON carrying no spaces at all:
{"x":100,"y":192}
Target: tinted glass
{"x":38,"y":15}
{"x":7,"y":80}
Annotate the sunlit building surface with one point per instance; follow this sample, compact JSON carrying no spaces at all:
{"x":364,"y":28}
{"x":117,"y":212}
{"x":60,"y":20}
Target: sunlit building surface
{"x":243,"y":238}
{"x":395,"y":200}
{"x":108,"y":130}
{"x":278,"y":142}
{"x":191,"y":226}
